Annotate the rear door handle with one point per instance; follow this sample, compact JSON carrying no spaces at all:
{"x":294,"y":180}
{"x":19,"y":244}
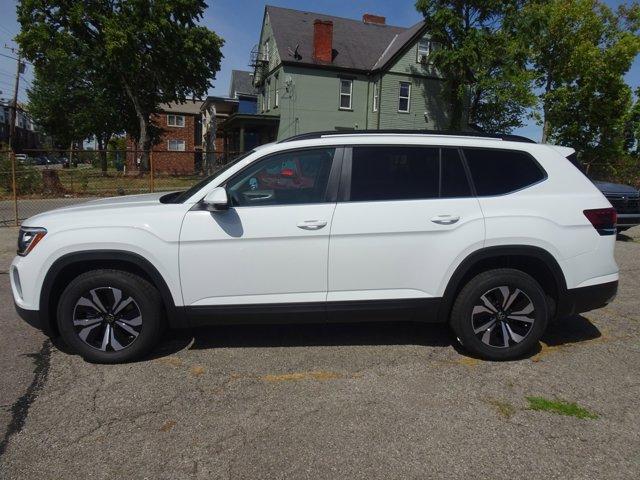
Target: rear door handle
{"x":312,"y":224}
{"x":445,"y":219}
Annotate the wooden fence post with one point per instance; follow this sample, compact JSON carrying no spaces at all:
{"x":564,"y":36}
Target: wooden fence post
{"x":14,"y":186}
{"x":151,"y":179}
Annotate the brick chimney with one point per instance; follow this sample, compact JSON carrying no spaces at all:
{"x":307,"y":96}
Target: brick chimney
{"x":375,"y":19}
{"x":323,"y":40}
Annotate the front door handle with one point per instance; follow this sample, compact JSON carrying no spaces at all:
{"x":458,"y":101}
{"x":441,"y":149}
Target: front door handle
{"x":445,"y":219}
{"x":312,"y":224}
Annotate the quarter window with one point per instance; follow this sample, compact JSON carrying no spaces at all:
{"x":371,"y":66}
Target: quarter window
{"x":177,"y":145}
{"x":175,"y":120}
{"x":346,"y":90}
{"x":404,"y":97}
{"x":496,"y":172}
{"x":289,"y":178}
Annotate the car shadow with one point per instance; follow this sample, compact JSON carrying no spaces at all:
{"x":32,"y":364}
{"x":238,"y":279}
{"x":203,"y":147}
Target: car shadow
{"x":305,"y":335}
{"x":570,"y":330}
{"x":621,"y":237}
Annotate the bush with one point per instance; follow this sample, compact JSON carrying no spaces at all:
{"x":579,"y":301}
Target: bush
{"x":28,"y":178}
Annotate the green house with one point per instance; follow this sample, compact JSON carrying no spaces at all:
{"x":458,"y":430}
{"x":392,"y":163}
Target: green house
{"x":319,"y":72}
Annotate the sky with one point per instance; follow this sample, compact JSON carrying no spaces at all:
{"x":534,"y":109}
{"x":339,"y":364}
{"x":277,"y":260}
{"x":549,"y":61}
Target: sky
{"x":238,"y":22}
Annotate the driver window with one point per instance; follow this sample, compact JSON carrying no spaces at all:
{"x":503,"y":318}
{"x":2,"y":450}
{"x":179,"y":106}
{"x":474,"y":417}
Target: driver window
{"x":288,"y":178}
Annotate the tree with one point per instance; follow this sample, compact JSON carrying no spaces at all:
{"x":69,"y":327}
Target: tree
{"x":482,"y":60}
{"x":70,"y":105}
{"x":151,"y":51}
{"x":632,"y":128}
{"x":580,"y":50}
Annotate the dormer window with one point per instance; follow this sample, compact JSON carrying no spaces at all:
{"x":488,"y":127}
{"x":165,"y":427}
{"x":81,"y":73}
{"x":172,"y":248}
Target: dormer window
{"x":424,"y":49}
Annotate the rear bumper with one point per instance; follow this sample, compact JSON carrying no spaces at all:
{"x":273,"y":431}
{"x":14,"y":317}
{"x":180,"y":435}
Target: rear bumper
{"x":584,"y":299}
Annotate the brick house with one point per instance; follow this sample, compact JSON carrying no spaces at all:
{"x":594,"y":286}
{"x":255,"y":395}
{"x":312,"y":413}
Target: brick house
{"x":179,"y":149}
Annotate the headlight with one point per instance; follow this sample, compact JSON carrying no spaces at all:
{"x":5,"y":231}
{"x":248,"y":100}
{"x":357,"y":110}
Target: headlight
{"x":28,"y":238}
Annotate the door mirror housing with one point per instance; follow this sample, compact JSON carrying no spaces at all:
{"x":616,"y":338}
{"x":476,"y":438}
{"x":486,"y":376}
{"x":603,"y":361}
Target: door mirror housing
{"x":216,"y":200}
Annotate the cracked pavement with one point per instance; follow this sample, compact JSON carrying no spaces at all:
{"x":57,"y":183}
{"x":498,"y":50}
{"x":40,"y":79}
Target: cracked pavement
{"x":390,"y":400}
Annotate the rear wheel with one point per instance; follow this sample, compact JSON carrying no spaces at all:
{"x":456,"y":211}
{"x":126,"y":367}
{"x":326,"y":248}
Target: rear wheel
{"x":500,"y":314}
{"x":110,"y":316}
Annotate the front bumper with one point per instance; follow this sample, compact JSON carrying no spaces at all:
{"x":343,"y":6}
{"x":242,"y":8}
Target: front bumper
{"x":33,"y":318}
{"x":585,"y":299}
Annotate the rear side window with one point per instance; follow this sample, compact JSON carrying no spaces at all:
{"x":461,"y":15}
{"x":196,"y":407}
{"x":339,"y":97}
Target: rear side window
{"x":496,"y":172}
{"x":406,"y":173}
{"x":454,"y":181}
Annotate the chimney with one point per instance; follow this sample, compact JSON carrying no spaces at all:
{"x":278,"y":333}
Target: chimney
{"x":375,"y":19}
{"x":323,"y":41}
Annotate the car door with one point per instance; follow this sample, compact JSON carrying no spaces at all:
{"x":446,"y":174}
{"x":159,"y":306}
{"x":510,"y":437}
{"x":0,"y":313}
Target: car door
{"x":271,"y":245}
{"x":405,"y":217}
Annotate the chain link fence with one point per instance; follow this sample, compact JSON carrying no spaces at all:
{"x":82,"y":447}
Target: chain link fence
{"x":35,"y":181}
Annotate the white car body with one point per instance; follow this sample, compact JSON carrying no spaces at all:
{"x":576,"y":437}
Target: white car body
{"x":351,"y":252}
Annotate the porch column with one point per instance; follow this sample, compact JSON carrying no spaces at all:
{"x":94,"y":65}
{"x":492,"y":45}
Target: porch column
{"x":242,"y":138}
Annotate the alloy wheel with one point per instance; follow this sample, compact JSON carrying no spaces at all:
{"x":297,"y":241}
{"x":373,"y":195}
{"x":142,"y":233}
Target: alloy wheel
{"x":503,"y":317}
{"x":106,"y":320}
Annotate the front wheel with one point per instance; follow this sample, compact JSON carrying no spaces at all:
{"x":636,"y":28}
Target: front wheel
{"x":110,"y":316}
{"x":500,"y":314}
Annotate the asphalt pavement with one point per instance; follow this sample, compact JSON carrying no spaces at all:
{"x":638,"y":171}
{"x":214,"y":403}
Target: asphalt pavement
{"x":389,"y":400}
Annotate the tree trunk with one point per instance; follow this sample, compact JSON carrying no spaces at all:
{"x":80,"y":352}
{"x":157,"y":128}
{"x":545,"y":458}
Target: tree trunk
{"x":455,"y":122}
{"x":546,"y":127}
{"x":103,"y":141}
{"x":144,"y":140}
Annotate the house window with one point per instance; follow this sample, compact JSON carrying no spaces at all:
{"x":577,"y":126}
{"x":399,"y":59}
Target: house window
{"x":175,"y":120}
{"x":375,"y":96}
{"x":424,"y":48}
{"x":176,"y":146}
{"x":346,"y":90}
{"x":265,"y":51}
{"x":277,"y":92}
{"x":268,"y":90}
{"x":404,"y":98}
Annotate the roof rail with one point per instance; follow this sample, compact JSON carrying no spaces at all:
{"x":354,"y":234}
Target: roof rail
{"x":497,"y":136}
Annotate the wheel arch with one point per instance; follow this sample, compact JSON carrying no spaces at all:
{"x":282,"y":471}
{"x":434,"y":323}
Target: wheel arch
{"x":69,"y":266}
{"x":535,"y":261}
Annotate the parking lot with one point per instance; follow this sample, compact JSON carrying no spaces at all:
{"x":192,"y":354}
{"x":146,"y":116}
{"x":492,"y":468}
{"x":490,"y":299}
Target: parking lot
{"x":389,"y":400}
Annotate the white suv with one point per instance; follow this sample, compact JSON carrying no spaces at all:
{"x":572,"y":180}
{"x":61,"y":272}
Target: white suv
{"x":495,"y":236}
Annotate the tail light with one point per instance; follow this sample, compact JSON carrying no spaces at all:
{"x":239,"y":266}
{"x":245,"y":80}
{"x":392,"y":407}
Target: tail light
{"x":603,"y":220}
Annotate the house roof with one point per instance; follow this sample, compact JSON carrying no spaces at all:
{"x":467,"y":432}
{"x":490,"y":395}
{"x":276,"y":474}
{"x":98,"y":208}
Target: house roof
{"x":397,"y":44}
{"x":191,"y":107}
{"x":242,"y":84}
{"x":357,"y":45}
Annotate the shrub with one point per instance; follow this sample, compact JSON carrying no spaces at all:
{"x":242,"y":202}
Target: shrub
{"x":28,"y":178}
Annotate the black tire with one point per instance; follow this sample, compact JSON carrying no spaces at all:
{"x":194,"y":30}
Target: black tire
{"x":109,"y":322}
{"x":522,"y":335}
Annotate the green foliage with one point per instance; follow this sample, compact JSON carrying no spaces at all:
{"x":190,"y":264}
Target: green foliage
{"x":560,"y":407}
{"x":483,"y":61}
{"x":28,"y":178}
{"x":632,"y":129}
{"x":580,"y":50}
{"x":149,"y":52}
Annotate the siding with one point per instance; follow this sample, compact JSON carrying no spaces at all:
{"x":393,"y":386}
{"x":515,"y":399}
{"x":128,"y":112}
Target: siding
{"x":312,"y":101}
{"x":407,"y":63}
{"x":274,"y":55}
{"x":426,"y":96}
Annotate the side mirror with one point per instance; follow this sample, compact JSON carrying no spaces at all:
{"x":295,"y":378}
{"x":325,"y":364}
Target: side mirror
{"x":216,"y":200}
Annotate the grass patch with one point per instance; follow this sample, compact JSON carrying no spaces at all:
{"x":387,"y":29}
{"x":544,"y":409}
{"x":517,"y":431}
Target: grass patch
{"x":560,"y":407}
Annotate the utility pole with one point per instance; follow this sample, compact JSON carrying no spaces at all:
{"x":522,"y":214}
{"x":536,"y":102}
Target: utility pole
{"x":12,"y":130}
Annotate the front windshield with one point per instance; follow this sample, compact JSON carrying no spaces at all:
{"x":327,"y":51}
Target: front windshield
{"x":184,"y":196}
